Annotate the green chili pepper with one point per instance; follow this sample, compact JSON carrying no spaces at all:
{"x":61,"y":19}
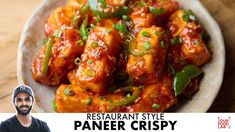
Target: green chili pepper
{"x":75,"y":20}
{"x":192,"y":71}
{"x":94,"y":5}
{"x":127,"y":100}
{"x":83,"y":31}
{"x":54,"y":105}
{"x":84,"y":9}
{"x":47,"y":57}
{"x":103,"y":3}
{"x":189,"y":16}
{"x":183,"y":78}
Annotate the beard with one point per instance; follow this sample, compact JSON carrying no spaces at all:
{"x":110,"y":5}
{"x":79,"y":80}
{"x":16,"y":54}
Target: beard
{"x":23,"y":112}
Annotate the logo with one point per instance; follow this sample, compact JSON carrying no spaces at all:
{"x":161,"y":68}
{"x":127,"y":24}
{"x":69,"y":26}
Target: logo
{"x":224,"y":123}
{"x":22,"y":88}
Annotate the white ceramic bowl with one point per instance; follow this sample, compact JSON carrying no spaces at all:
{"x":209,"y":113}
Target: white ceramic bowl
{"x":33,"y":33}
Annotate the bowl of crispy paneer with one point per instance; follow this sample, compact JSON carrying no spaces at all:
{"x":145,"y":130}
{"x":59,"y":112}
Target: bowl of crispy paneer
{"x":122,"y":56}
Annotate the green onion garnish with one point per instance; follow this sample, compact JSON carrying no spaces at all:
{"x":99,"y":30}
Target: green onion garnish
{"x":103,"y":3}
{"x":176,"y":40}
{"x":125,"y":17}
{"x":58,"y":33}
{"x":80,"y":43}
{"x":196,"y":42}
{"x":163,"y":44}
{"x":92,"y":26}
{"x":155,"y":106}
{"x":89,"y":101}
{"x":120,"y":27}
{"x":66,"y":91}
{"x":77,"y":61}
{"x":189,"y":15}
{"x":156,"y":11}
{"x":97,"y":19}
{"x":89,"y":61}
{"x":145,"y":34}
{"x":146,"y":45}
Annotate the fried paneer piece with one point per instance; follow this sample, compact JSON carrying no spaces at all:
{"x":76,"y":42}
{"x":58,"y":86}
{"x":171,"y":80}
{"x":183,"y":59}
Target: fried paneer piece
{"x":147,"y":55}
{"x":63,"y":16}
{"x":63,"y":53}
{"x":72,"y":98}
{"x":98,"y":60}
{"x":168,"y":7}
{"x":189,"y":32}
{"x":155,"y":97}
{"x":141,"y":18}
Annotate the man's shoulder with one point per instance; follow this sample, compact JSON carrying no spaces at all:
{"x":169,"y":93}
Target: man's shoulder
{"x":9,"y":120}
{"x":7,"y":124}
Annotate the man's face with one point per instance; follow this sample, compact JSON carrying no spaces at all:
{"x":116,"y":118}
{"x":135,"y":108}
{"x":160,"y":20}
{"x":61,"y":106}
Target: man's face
{"x":23,"y":103}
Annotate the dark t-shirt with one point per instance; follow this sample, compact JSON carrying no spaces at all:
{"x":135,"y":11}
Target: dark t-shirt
{"x":13,"y":125}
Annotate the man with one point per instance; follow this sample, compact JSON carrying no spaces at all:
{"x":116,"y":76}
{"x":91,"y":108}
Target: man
{"x":23,"y":100}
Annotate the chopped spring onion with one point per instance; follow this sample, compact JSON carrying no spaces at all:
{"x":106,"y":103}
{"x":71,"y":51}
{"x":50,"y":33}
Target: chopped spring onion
{"x":77,"y":61}
{"x":196,"y":42}
{"x":156,"y":11}
{"x":89,"y":61}
{"x":162,"y":44}
{"x":80,"y":43}
{"x":155,"y":106}
{"x":58,"y":33}
{"x":103,"y":3}
{"x":189,"y":16}
{"x":120,"y":27}
{"x":145,"y":34}
{"x":89,"y":101}
{"x":176,"y":40}
{"x":146,"y":45}
{"x":66,"y":91}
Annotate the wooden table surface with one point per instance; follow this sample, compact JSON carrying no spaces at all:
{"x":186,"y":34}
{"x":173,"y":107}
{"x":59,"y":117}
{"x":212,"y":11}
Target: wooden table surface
{"x":14,"y":14}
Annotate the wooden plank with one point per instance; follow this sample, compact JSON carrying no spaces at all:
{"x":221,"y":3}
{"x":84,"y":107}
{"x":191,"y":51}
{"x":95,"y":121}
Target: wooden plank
{"x":13,"y":14}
